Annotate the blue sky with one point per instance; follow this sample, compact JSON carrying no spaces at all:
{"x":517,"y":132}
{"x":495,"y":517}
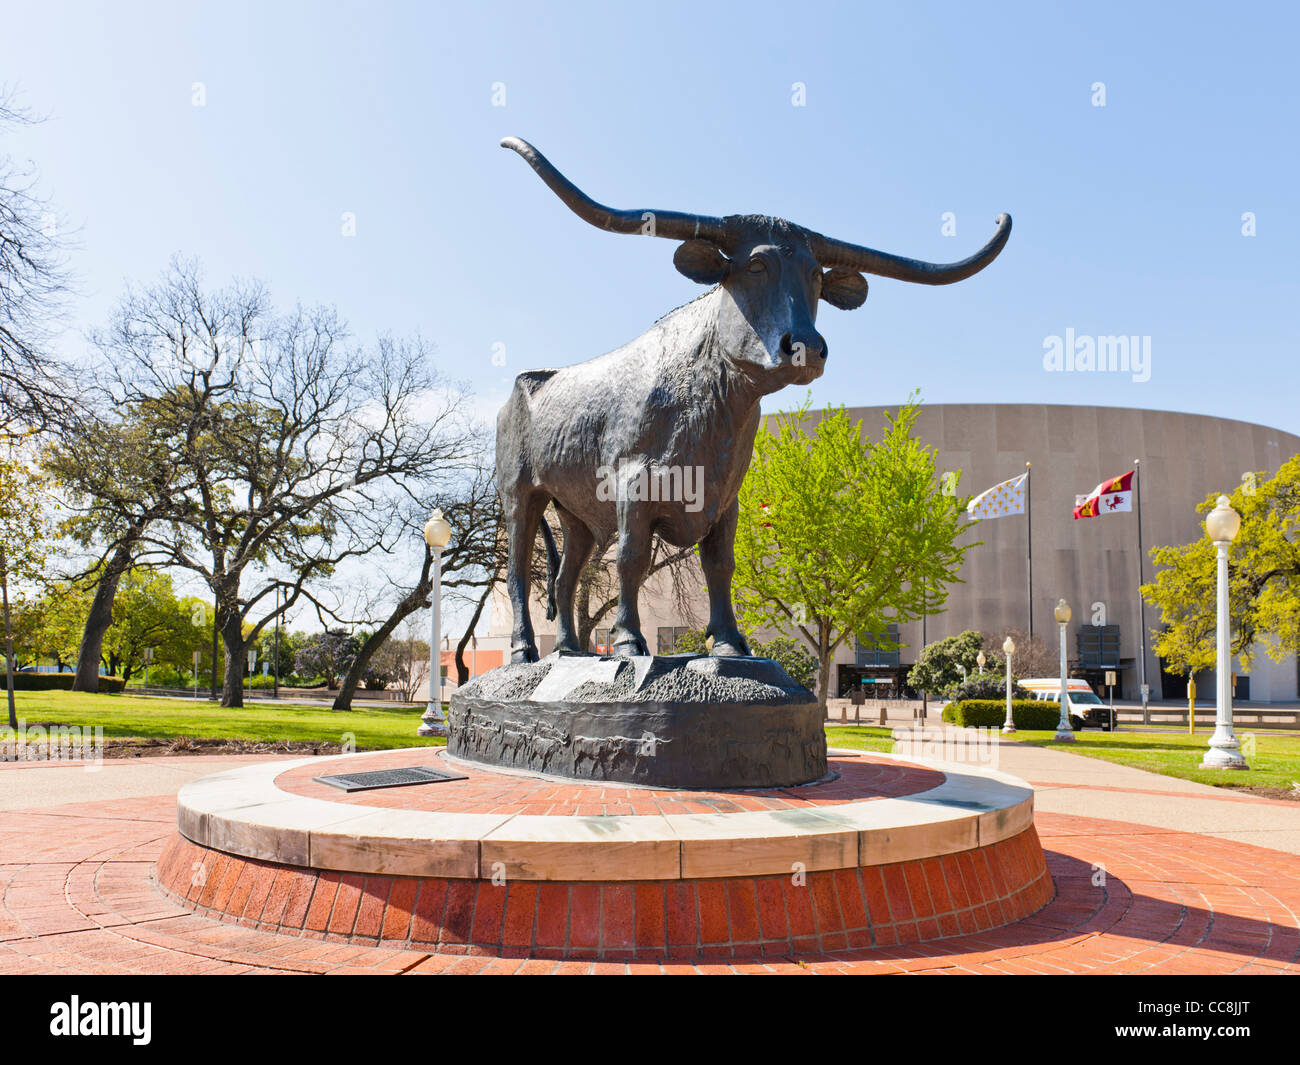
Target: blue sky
{"x":1127,"y":216}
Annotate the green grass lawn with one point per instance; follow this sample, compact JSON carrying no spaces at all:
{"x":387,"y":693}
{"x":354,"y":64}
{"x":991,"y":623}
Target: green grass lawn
{"x":129,"y":717}
{"x":1274,"y":763}
{"x":861,"y":738}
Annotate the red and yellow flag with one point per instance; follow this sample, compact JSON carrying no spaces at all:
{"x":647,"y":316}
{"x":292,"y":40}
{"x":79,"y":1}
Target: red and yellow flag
{"x":1110,"y":497}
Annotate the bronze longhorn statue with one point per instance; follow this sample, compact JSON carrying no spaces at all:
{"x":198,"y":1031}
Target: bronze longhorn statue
{"x":678,"y":406}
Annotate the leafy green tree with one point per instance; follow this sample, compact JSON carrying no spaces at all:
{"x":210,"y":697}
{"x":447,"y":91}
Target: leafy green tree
{"x":118,"y":475}
{"x":27,"y":616}
{"x":62,"y":613}
{"x":839,"y":536}
{"x":1187,"y":643}
{"x":944,"y":665}
{"x":1263,"y":578}
{"x":146,"y":613}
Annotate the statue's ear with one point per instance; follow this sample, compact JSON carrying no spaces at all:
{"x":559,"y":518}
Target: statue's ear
{"x":701,"y":261}
{"x":844,"y":288}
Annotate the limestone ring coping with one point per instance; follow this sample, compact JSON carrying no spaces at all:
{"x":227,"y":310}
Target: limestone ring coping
{"x":243,"y":812}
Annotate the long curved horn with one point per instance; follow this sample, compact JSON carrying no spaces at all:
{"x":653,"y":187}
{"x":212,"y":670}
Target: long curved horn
{"x":838,"y":253}
{"x":672,"y":224}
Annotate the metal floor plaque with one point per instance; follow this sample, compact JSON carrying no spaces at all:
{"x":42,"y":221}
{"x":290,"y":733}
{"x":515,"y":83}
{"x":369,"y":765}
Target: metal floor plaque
{"x":389,"y":778}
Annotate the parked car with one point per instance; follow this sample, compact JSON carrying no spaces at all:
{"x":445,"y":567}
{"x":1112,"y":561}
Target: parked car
{"x":1083,"y":701}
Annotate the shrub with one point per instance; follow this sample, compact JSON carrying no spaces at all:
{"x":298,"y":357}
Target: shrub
{"x":691,"y":642}
{"x":792,"y":656}
{"x":44,"y":682}
{"x":1026,"y":713}
{"x":988,"y":686}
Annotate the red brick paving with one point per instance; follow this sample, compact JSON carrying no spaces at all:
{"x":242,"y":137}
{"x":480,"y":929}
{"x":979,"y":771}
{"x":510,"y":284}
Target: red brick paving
{"x":77,"y":896}
{"x":862,"y":777}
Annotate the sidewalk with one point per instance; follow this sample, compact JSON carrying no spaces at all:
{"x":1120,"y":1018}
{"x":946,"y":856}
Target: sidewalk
{"x":37,"y":785}
{"x":1171,"y":884}
{"x":1066,"y":783}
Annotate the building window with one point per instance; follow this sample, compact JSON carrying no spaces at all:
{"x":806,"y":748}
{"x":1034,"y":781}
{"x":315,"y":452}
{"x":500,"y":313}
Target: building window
{"x":873,"y":652}
{"x":668,"y":636}
{"x":1098,"y":646}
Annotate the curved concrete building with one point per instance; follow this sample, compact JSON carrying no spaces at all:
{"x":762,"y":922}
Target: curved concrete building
{"x":1092,"y":563}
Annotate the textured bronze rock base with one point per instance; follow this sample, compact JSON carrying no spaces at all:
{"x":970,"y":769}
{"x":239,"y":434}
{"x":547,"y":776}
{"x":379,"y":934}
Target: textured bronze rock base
{"x":677,"y":721}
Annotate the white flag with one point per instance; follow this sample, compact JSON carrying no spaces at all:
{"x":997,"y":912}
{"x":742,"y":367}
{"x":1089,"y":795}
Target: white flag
{"x":1000,"y":501}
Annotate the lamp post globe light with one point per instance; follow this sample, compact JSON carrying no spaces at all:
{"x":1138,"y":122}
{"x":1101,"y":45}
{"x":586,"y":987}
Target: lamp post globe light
{"x":1064,"y":731}
{"x":437,"y":534}
{"x":1224,"y":752}
{"x":980,"y":660}
{"x":1008,"y":648}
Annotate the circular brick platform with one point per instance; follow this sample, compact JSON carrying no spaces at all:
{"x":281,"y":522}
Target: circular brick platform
{"x":891,"y":852}
{"x":78,"y":896}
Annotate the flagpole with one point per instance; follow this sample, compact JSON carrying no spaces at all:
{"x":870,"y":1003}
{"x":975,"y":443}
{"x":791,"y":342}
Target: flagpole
{"x":1029,"y":555}
{"x":1142,"y":611}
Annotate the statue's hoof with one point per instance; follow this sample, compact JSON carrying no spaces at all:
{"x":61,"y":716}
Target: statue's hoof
{"x":523,"y":654}
{"x":730,"y":647}
{"x":631,"y":647}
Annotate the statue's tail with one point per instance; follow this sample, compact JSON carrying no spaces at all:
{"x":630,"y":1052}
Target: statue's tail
{"x":552,"y":567}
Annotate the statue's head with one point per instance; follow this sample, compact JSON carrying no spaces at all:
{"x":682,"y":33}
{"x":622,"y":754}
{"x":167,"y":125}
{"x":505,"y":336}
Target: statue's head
{"x":771,"y":283}
{"x":772,"y":273}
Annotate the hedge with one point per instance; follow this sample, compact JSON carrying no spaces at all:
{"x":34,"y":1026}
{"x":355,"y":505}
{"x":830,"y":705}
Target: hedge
{"x":44,"y":682}
{"x":1026,"y":713}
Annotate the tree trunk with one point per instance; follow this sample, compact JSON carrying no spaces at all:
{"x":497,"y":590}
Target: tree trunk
{"x":825,"y":652}
{"x":216,"y":636}
{"x":416,"y":600}
{"x":462,"y":671}
{"x":9,"y":643}
{"x":232,"y":638}
{"x":100,"y":618}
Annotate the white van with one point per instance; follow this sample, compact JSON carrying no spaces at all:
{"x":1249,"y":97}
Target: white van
{"x":1083,"y":701}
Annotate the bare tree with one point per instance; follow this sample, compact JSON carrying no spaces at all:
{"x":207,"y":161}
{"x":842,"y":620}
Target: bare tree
{"x":470,"y":563}
{"x":597,"y":594}
{"x":295,"y":445}
{"x":404,"y":661}
{"x":1033,"y":658}
{"x":34,"y":390}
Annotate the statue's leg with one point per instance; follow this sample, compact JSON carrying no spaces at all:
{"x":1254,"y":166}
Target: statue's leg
{"x":632,"y":561}
{"x":718,"y":557}
{"x":578,"y":544}
{"x":523,"y":510}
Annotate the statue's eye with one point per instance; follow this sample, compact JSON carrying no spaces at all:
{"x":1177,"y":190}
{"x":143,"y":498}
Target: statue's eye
{"x":757,"y":265}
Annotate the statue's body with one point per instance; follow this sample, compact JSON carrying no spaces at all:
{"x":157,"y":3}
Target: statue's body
{"x":656,"y":436}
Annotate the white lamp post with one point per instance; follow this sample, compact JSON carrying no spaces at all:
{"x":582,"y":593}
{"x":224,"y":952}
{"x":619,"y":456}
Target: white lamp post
{"x":1008,"y":648}
{"x":980,"y":660}
{"x":437,"y":534}
{"x":1221,"y":527}
{"x":1064,"y":732}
